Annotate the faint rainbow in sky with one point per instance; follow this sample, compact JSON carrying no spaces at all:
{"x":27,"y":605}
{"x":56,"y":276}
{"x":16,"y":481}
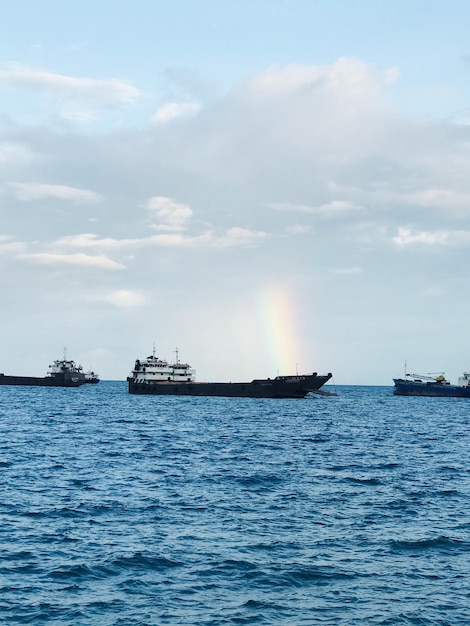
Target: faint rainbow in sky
{"x":280,"y":317}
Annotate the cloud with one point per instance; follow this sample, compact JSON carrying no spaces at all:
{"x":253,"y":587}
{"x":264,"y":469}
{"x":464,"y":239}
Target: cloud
{"x":83,"y":260}
{"x":12,"y":153}
{"x":440,"y":198}
{"x":330,"y":209}
{"x":7,"y":245}
{"x":221,"y":199}
{"x":90,"y":240}
{"x":289,"y":133}
{"x":298,"y":229}
{"x":171,"y":215}
{"x":36,"y":191}
{"x":124,"y":298}
{"x":407,"y":237}
{"x":231,"y":238}
{"x":107,"y":92}
{"x":174,"y":110}
{"x":240,"y":237}
{"x":347,"y":76}
{"x":433,"y":292}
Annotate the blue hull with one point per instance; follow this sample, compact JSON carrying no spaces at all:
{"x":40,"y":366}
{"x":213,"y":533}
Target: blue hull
{"x":411,"y":388}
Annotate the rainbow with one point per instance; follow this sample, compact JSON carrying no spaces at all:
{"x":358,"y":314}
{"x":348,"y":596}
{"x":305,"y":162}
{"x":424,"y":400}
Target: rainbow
{"x":281,"y":328}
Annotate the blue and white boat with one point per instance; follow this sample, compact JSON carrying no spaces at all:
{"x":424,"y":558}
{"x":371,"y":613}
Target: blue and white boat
{"x":432,"y":385}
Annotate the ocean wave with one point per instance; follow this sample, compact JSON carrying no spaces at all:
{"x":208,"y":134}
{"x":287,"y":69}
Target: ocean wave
{"x":436,"y":543}
{"x":363,"y":480}
{"x":208,"y":512}
{"x":141,"y":561}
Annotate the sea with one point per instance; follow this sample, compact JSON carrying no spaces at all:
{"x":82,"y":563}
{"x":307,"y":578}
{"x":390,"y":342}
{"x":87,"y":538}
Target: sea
{"x":115,"y":509}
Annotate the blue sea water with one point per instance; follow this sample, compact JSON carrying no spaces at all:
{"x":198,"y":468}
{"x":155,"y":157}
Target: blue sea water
{"x":140,"y":510}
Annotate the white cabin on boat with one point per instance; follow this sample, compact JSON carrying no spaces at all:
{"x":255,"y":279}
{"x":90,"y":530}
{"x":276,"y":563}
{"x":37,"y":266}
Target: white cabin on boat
{"x":154,"y":370}
{"x":464,"y":380}
{"x":65,"y":365}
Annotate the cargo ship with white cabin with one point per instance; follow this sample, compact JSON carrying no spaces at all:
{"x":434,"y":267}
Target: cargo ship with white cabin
{"x":159,"y":377}
{"x":432,"y":385}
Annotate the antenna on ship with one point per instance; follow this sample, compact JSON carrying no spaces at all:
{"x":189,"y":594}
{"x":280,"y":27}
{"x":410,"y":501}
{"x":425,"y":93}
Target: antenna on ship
{"x":176,"y":354}
{"x":153,"y":353}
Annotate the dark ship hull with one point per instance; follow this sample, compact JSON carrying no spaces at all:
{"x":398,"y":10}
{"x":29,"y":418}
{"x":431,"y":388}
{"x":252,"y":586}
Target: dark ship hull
{"x":57,"y":380}
{"x":437,"y":389}
{"x":279,"y":387}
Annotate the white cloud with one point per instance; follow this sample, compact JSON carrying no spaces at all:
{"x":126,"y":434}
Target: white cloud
{"x":7,"y":245}
{"x":174,"y":110}
{"x":407,"y":237}
{"x":107,"y":92}
{"x":298,"y":229}
{"x":37,"y":191}
{"x":240,"y":237}
{"x":171,"y":215}
{"x":347,"y":76}
{"x":90,"y":240}
{"x":330,"y":209}
{"x":440,"y":198}
{"x":177,"y":240}
{"x":232,"y":237}
{"x":83,"y":260}
{"x":124,"y":298}
{"x":12,"y":153}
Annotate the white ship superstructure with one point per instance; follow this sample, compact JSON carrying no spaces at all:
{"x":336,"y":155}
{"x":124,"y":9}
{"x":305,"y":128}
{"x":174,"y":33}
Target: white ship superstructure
{"x":65,"y":365}
{"x":464,"y":380}
{"x":155,"y":370}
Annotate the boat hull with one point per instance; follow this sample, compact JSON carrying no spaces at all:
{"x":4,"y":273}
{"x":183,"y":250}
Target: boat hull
{"x":411,"y":388}
{"x":58,"y":380}
{"x":279,"y":387}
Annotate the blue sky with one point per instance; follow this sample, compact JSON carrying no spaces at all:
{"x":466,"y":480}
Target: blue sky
{"x":268,"y":186}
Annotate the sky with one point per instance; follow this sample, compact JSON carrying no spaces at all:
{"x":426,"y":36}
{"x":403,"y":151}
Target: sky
{"x":267,"y":186}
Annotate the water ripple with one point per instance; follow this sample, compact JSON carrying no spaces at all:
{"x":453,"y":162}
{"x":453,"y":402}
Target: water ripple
{"x":118,"y":510}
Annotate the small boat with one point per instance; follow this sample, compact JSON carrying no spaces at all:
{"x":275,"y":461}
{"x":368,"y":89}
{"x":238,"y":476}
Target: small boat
{"x":157,"y":376}
{"x":91,"y":377}
{"x":62,"y":373}
{"x":432,"y":385}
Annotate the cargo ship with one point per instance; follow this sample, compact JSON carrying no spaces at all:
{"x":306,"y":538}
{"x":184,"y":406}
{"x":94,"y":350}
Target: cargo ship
{"x":159,"y":377}
{"x":432,"y":385}
{"x":62,"y":373}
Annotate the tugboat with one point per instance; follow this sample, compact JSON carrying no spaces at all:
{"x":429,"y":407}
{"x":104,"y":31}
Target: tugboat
{"x":157,"y":376}
{"x":62,"y":373}
{"x":432,"y":385}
